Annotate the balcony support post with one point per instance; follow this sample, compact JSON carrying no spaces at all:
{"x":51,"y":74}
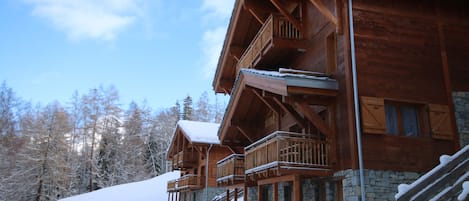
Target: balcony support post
{"x":260,"y":192}
{"x":235,"y":194}
{"x":275,"y":191}
{"x":246,"y":193}
{"x":297,"y":187}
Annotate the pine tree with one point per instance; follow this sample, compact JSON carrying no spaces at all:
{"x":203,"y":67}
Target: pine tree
{"x":187,"y":109}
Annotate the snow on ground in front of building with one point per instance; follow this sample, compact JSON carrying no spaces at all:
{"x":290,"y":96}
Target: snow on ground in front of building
{"x":147,"y":190}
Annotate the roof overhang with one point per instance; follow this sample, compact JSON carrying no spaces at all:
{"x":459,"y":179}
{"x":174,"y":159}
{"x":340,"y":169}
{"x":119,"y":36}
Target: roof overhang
{"x":283,"y":84}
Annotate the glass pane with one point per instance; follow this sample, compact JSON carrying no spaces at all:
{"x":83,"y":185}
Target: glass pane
{"x":391,"y":119}
{"x":410,"y":120}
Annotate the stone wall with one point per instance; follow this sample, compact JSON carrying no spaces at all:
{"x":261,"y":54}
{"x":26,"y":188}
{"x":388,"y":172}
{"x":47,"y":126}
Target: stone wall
{"x":252,"y":193}
{"x":199,"y":195}
{"x":379,"y":185}
{"x":461,"y":110}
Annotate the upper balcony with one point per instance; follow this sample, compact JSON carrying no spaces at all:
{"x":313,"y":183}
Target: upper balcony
{"x":286,"y":153}
{"x":185,"y":159}
{"x":230,"y":170}
{"x":275,"y":37}
{"x":190,"y":182}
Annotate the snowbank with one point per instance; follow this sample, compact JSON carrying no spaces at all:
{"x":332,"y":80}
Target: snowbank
{"x":148,"y":190}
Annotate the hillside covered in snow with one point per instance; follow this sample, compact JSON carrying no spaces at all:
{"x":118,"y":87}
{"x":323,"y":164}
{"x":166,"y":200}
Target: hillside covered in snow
{"x":147,"y":190}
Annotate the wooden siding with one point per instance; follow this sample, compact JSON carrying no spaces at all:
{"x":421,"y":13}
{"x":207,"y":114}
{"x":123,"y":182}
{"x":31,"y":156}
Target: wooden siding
{"x":399,"y":58}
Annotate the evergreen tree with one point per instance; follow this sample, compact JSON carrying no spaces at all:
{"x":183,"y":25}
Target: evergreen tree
{"x":187,"y":109}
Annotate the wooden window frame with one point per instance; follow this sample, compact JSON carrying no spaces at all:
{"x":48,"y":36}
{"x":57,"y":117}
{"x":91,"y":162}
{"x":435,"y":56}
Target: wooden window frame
{"x":421,"y":118}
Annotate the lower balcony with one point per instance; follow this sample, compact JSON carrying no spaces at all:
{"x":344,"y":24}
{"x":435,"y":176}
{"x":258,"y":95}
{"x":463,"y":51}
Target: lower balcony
{"x":172,"y":186}
{"x":230,"y":170}
{"x":190,"y":182}
{"x":286,"y":153}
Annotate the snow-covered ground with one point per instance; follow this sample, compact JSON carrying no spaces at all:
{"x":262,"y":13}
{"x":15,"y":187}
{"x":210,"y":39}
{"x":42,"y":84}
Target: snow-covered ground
{"x":148,"y":190}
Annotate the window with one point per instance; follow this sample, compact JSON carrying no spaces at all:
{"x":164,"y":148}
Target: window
{"x":402,"y":119}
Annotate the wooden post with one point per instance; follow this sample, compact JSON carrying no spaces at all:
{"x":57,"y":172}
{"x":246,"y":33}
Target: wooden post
{"x":245,"y":193}
{"x":235,"y":196}
{"x":177,"y":193}
{"x":227,"y":194}
{"x":297,"y":188}
{"x":259,"y":192}
{"x":275,"y":191}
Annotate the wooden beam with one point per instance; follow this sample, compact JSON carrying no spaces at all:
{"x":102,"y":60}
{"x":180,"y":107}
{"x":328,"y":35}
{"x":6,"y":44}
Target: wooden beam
{"x":258,"y":9}
{"x":276,"y":179}
{"x":447,"y":80}
{"x":236,"y":51}
{"x":317,"y":121}
{"x":285,"y":13}
{"x":243,"y":132}
{"x":340,"y":21}
{"x":288,"y":109}
{"x":325,"y":11}
{"x":262,"y":99}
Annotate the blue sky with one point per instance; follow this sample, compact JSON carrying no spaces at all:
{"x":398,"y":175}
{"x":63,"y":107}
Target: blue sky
{"x":156,"y":50}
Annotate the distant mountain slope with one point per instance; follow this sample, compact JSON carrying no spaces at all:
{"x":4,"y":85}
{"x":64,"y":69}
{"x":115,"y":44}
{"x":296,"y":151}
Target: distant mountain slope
{"x":148,"y":190}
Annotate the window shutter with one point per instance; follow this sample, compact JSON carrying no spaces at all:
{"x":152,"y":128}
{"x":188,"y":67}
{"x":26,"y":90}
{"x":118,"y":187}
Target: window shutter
{"x":372,"y":114}
{"x":440,"y":121}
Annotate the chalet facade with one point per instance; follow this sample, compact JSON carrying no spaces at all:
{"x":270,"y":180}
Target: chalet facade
{"x":296,"y":77}
{"x":194,"y":151}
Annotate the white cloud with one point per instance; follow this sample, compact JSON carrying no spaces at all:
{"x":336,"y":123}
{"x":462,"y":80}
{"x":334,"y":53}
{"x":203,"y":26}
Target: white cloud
{"x":212,"y":44}
{"x":217,"y":13}
{"x":88,"y":19}
{"x":218,"y":8}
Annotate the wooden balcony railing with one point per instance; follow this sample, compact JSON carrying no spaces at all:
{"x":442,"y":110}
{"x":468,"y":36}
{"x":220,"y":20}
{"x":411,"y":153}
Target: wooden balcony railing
{"x":286,"y":151}
{"x":184,"y":159}
{"x":191,"y":181}
{"x":230,"y":170}
{"x":276,"y":27}
{"x":172,"y":186}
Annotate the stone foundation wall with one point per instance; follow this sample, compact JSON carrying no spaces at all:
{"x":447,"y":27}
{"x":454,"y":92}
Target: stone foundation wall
{"x":461,"y":110}
{"x":199,"y":195}
{"x":379,"y":185}
{"x":252,"y":193}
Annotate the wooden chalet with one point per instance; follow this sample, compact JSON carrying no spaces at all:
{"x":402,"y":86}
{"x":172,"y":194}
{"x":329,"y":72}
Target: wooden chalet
{"x":288,"y":66}
{"x":195,"y":151}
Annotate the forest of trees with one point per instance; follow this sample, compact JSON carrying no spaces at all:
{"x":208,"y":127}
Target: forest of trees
{"x":57,"y":150}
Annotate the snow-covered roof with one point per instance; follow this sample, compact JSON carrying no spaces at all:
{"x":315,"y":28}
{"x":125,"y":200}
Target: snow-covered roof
{"x":200,"y":132}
